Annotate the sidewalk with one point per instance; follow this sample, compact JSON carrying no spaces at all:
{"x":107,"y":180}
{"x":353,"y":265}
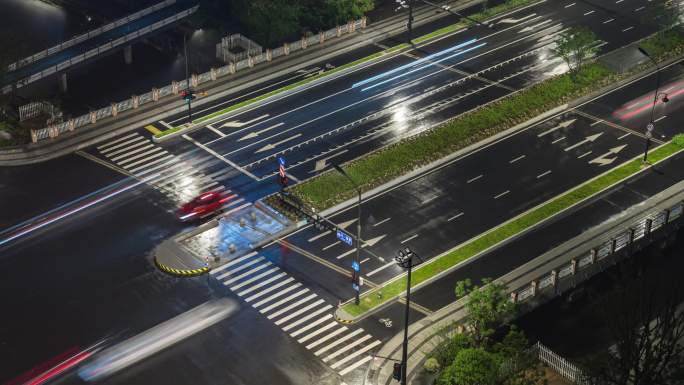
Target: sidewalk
{"x":422,"y":333}
{"x":232,"y":84}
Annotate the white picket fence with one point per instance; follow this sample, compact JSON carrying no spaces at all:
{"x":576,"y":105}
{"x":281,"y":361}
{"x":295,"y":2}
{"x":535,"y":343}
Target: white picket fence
{"x":558,"y":364}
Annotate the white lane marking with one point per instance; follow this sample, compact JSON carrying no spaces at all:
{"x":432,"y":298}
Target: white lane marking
{"x":233,"y":262}
{"x":116,"y":141}
{"x":381,"y":268}
{"x":569,"y":5}
{"x":241,"y":267}
{"x":300,"y":311}
{"x":321,"y":235}
{"x":558,"y":140}
{"x":660,"y":118}
{"x":382,"y":221}
{"x":276,"y":295}
{"x":238,"y":124}
{"x":331,"y":245}
{"x":346,"y":253}
{"x":217,"y":132}
{"x":365,"y":260}
{"x":208,"y":186}
{"x":254,"y":134}
{"x":355,"y":354}
{"x":474,"y":179}
{"x":317,"y":332}
{"x":619,"y":1}
{"x":588,"y":139}
{"x":337,"y":342}
{"x":543,"y":174}
{"x":157,"y":155}
{"x":409,"y":238}
{"x":454,"y":217}
{"x":515,"y":21}
{"x":214,"y":153}
{"x":639,"y":9}
{"x":564,"y":124}
{"x":247,"y":282}
{"x":163,"y":123}
{"x":164,"y":159}
{"x":110,"y":149}
{"x":502,"y":194}
{"x":292,"y":306}
{"x":145,"y":144}
{"x":245,"y":274}
{"x":307,"y":317}
{"x":624,"y":136}
{"x":356,"y":365}
{"x":430,"y":199}
{"x":268,"y":290}
{"x":516,"y":159}
{"x":628,"y":28}
{"x":284,"y":300}
{"x":532,"y":27}
{"x":311,"y":325}
{"x":608,"y":21}
{"x":326,"y":337}
{"x":347,"y":347}
{"x":271,"y":146}
{"x":262,"y":284}
{"x":589,"y":13}
{"x":596,"y":122}
{"x":583,"y":155}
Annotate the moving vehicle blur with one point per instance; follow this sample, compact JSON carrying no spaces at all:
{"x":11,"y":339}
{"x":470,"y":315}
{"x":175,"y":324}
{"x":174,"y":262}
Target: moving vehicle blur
{"x":203,"y":205}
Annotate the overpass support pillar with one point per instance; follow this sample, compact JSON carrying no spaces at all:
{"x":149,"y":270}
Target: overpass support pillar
{"x":63,"y":82}
{"x":128,"y":54}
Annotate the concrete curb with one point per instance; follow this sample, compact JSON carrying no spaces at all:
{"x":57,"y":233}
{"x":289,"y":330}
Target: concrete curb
{"x":180,"y":272}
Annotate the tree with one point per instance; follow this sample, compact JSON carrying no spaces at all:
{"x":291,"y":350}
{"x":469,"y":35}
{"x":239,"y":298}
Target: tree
{"x":575,"y":45}
{"x":269,"y":21}
{"x":648,"y":333}
{"x":519,"y":366}
{"x":665,"y":15}
{"x":489,"y":307}
{"x":471,"y":366}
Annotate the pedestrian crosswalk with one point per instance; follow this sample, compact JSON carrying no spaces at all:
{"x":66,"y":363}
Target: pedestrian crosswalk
{"x":178,"y":178}
{"x":298,"y":311}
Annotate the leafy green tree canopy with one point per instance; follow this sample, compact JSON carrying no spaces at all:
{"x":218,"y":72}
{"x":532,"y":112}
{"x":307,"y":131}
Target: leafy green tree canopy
{"x":489,"y":307}
{"x":575,"y":45}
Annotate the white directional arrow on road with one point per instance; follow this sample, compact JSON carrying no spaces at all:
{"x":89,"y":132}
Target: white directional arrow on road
{"x":257,"y":133}
{"x":237,"y":123}
{"x":587,"y":140}
{"x":271,"y":146}
{"x":560,"y":125}
{"x":532,"y":27}
{"x":371,"y":242}
{"x":603,"y":161}
{"x":514,"y":21}
{"x":346,"y":224}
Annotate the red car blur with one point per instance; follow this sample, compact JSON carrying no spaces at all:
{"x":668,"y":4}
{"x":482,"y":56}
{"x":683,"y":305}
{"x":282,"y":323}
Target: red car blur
{"x":203,"y":205}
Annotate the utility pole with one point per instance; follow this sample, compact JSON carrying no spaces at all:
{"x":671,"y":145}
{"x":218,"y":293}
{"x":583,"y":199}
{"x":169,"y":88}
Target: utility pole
{"x":651,"y":124}
{"x":357,"y":261}
{"x":404,"y":259}
{"x":190,"y":95}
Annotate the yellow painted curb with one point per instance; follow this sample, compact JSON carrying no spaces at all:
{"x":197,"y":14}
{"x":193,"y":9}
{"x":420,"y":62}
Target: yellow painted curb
{"x":154,"y":130}
{"x":179,"y":272}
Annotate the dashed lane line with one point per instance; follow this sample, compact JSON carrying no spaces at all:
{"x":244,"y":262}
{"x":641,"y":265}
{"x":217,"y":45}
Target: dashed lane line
{"x":544,"y":174}
{"x":502,"y":194}
{"x":455,"y":216}
{"x":474,"y":179}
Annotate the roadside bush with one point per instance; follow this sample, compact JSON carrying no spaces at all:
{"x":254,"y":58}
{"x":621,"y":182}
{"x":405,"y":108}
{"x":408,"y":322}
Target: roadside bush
{"x":445,"y":352}
{"x":431,"y":365}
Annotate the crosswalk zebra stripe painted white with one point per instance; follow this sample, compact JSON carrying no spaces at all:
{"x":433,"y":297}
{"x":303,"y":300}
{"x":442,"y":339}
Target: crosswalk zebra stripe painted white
{"x":284,"y":300}
{"x":154,"y":154}
{"x":355,"y":354}
{"x":356,"y":365}
{"x":209,"y":185}
{"x":132,"y":149}
{"x":346,"y":348}
{"x":290,"y":307}
{"x":241,"y":267}
{"x":168,"y":166}
{"x":117,"y":140}
{"x":300,"y":311}
{"x":165,"y":159}
{"x":110,"y":149}
{"x":270,"y":289}
{"x":130,"y":167}
{"x":138,"y":156}
{"x":312,"y":325}
{"x":326,"y":337}
{"x":247,"y":273}
{"x":233,"y":262}
{"x":308,"y":317}
{"x":317,"y":332}
{"x":337,"y":342}
{"x":276,"y":295}
{"x":262,"y":284}
{"x":257,"y":277}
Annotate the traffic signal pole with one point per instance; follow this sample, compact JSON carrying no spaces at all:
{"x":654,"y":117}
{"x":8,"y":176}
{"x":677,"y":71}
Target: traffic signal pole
{"x":187,"y":79}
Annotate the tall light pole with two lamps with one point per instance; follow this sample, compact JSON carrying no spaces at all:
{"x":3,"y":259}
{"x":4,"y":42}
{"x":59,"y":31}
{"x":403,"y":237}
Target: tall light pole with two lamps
{"x":658,"y":95}
{"x":404,"y":259}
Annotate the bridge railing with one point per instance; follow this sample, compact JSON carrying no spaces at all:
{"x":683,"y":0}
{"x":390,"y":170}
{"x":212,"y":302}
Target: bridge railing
{"x":171,"y":89}
{"x":88,"y":35}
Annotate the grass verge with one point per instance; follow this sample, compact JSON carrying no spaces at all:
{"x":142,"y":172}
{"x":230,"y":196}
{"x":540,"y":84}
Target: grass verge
{"x":438,"y":265}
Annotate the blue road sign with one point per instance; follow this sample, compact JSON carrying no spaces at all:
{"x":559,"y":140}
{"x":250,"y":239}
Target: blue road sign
{"x":281,"y":160}
{"x":355,"y":266}
{"x":344,"y":237}
{"x":355,"y":286}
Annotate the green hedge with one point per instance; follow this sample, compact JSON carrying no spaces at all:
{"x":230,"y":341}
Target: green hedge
{"x":370,"y":300}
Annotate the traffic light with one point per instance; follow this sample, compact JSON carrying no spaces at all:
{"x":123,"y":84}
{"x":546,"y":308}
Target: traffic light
{"x":396,"y":373}
{"x":283,"y":180}
{"x":188,"y":95}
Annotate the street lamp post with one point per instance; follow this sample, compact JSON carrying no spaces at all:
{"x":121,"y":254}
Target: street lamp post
{"x":405,"y":259}
{"x":355,"y":274}
{"x":651,"y":125}
{"x":187,"y":78}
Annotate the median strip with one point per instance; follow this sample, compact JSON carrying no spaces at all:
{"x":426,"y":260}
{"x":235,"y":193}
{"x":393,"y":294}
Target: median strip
{"x":440,"y":264}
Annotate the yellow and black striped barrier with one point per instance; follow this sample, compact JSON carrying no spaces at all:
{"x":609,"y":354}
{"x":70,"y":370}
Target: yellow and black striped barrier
{"x":180,"y":272}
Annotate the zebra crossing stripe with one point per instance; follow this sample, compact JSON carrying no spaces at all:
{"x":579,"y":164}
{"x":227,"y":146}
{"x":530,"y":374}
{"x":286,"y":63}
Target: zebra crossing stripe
{"x":300,"y":311}
{"x":142,"y":144}
{"x":306,"y":318}
{"x":356,"y":365}
{"x":346,"y":348}
{"x":138,"y":156}
{"x":116,"y":141}
{"x":156,"y":153}
{"x":233,"y":262}
{"x":270,"y":289}
{"x":241,"y":267}
{"x":284,"y":300}
{"x":262,"y":284}
{"x":245,"y":274}
{"x":327,"y":337}
{"x":169,"y":166}
{"x":292,"y":306}
{"x":247,"y":282}
{"x":355,"y":354}
{"x":276,"y":295}
{"x":136,"y":169}
{"x":317,"y":332}
{"x":312,"y":325}
{"x":337,"y":342}
{"x":110,"y":149}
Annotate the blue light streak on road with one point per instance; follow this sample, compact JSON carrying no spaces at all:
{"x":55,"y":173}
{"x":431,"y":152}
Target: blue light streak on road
{"x":423,"y":67}
{"x":414,"y":63}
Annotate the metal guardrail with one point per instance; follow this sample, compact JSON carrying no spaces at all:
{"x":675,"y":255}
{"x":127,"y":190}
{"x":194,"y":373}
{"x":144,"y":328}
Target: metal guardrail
{"x":173,"y":88}
{"x":90,"y":34}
